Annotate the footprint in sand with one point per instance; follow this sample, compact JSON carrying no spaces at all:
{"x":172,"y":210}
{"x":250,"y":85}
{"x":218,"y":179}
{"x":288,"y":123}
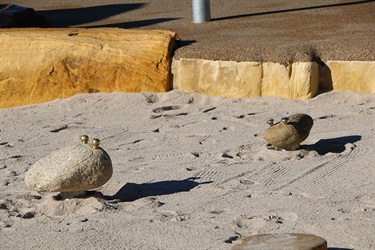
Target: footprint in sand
{"x":22,"y":206}
{"x":166,"y":108}
{"x":167,"y":216}
{"x":151,"y":98}
{"x":72,"y":207}
{"x":366,"y":203}
{"x":147,"y":202}
{"x":258,"y":221}
{"x":164,"y":112}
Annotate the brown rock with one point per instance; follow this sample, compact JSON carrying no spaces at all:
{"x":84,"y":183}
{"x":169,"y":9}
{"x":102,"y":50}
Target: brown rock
{"x":39,"y":65}
{"x":290,"y":132}
{"x":282,"y":241}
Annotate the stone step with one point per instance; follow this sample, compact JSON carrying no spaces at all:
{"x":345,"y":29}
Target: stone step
{"x":298,"y":80}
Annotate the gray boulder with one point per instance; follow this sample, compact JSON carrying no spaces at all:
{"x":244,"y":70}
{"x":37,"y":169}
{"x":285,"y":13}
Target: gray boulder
{"x":71,"y":171}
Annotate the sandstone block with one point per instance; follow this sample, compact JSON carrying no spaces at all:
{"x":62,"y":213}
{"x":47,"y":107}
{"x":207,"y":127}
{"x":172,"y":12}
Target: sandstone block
{"x":246,"y":79}
{"x":290,"y":132}
{"x":282,"y":241}
{"x":71,"y":170}
{"x":39,"y":65}
{"x":356,"y":76}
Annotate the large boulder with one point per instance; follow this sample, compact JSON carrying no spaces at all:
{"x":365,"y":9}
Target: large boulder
{"x":71,"y":170}
{"x":40,"y":65}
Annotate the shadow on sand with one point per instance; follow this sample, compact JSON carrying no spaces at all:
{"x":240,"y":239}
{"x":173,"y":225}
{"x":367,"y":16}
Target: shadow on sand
{"x":337,"y":248}
{"x":333,"y":145}
{"x":134,"y":191}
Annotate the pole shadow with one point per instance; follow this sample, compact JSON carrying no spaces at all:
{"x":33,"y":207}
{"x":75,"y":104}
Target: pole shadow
{"x":333,"y":145}
{"x":291,"y":10}
{"x":133,"y":191}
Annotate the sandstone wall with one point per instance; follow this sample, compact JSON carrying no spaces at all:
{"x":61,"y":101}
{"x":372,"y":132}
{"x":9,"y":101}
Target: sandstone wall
{"x":39,"y":65}
{"x":246,"y":79}
{"x":298,"y":80}
{"x":357,"y":76}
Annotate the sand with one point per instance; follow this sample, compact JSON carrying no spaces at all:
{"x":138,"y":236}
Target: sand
{"x":192,"y":172}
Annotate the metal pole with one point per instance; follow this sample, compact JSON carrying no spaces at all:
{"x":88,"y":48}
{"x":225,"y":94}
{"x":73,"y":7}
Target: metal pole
{"x":201,"y":11}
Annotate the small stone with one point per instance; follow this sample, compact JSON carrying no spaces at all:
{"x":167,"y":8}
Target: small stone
{"x":282,"y":241}
{"x":84,"y":220}
{"x":71,"y":171}
{"x":289,"y":133}
{"x":3,"y":204}
{"x":27,"y":214}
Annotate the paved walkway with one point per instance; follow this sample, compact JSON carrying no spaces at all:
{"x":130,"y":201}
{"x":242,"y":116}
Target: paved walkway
{"x":240,"y":30}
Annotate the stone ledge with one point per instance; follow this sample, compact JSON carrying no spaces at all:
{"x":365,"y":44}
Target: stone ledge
{"x":40,"y":65}
{"x":356,"y":76}
{"x":246,"y":79}
{"x":298,"y":80}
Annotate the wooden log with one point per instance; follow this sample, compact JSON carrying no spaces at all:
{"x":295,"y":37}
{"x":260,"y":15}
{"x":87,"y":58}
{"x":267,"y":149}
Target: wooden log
{"x":40,"y":65}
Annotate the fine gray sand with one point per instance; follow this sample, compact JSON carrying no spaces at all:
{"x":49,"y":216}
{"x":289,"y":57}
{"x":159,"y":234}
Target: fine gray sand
{"x":192,"y":172}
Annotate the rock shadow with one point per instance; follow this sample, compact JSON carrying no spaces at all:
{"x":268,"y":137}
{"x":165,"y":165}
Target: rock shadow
{"x":333,"y":145}
{"x":133,"y":191}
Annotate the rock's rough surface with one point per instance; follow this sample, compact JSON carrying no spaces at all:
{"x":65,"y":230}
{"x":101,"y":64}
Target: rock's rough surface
{"x":282,"y":241}
{"x":298,"y":80}
{"x":288,"y":135}
{"x":356,"y":76}
{"x":71,"y":169}
{"x":39,"y":65}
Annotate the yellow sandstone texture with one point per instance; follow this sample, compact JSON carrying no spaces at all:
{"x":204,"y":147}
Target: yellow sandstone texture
{"x":40,"y":65}
{"x":357,"y":76}
{"x":298,"y":80}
